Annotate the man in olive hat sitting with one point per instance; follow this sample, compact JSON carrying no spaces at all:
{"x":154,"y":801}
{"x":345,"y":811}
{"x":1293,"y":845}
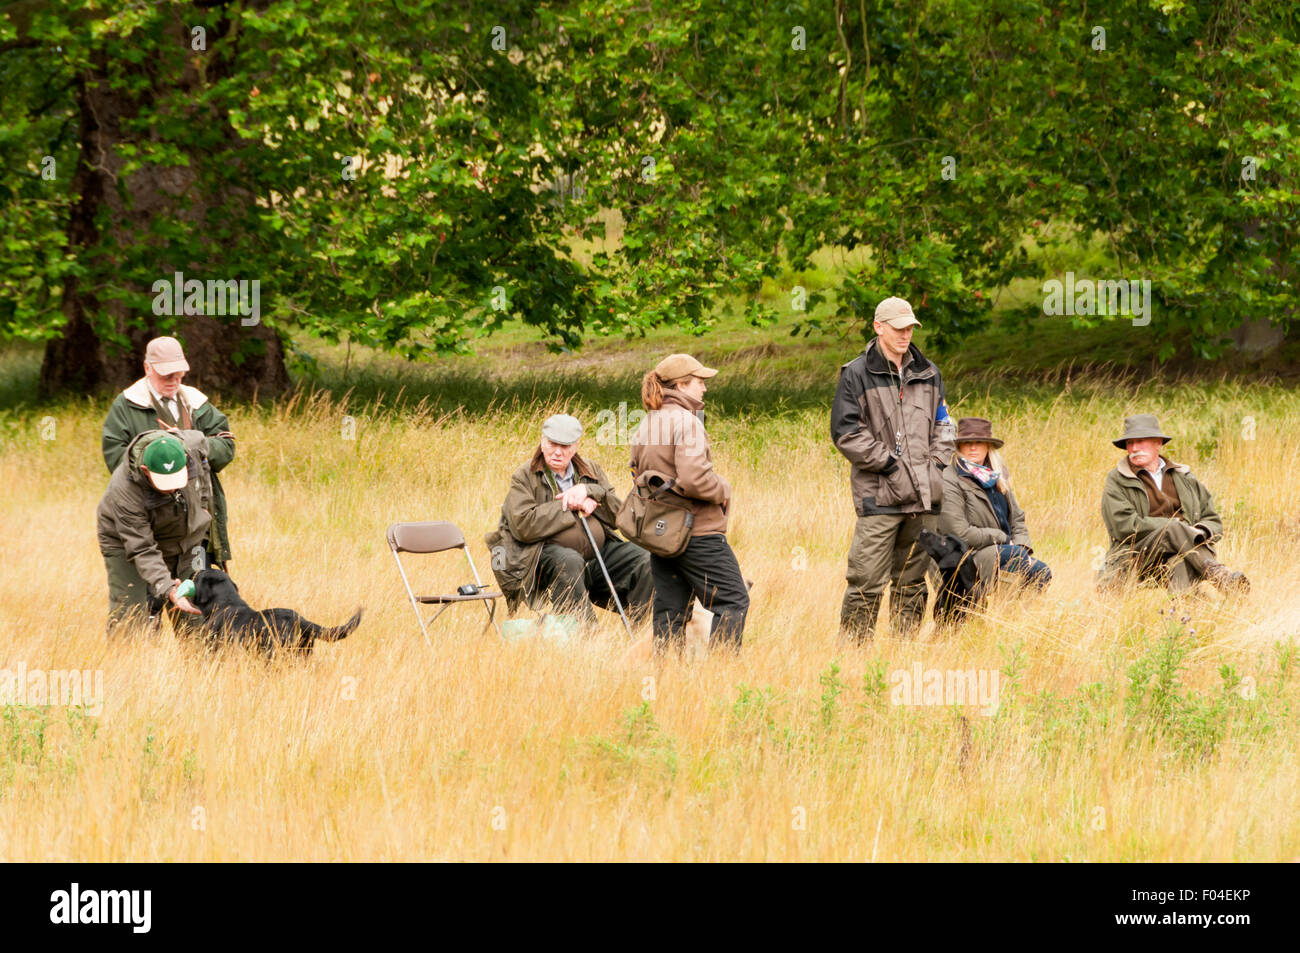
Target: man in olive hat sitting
{"x":153,"y":521}
{"x":1162,"y":521}
{"x":541,"y":548}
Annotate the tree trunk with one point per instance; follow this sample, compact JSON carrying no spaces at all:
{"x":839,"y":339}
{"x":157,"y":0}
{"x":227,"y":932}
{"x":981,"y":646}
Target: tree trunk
{"x":1257,"y":338}
{"x":226,"y":358}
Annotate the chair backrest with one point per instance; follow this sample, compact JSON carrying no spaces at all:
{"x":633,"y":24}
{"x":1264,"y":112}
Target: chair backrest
{"x":430,"y":537}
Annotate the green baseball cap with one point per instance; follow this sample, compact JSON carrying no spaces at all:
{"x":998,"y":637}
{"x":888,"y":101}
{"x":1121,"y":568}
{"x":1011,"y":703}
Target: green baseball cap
{"x":164,"y":458}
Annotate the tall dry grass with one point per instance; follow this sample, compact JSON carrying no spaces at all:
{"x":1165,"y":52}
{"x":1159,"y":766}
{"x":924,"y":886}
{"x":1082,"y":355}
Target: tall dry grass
{"x":1120,"y":734}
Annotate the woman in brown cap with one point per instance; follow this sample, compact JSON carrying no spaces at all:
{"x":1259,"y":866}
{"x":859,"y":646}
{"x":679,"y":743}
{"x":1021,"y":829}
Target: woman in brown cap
{"x":980,"y":508}
{"x":672,"y":440}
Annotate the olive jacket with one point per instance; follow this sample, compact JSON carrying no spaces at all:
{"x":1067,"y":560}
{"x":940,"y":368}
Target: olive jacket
{"x":531,"y":516}
{"x":968,"y":513}
{"x":152,"y":529}
{"x":1126,"y":511}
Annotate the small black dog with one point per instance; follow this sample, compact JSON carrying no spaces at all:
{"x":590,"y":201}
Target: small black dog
{"x":230,"y":618}
{"x":957,"y":594}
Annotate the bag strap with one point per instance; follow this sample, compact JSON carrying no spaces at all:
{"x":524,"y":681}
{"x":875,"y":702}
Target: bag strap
{"x":666,"y":486}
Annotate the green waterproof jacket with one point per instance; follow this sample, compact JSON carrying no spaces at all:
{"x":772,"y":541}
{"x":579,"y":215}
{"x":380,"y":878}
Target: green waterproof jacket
{"x":152,"y":528}
{"x":1126,"y":509}
{"x":133,"y":413}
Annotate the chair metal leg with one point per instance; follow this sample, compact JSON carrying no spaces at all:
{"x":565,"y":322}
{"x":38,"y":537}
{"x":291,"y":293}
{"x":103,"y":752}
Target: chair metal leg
{"x":414,"y":605}
{"x":492,"y":610}
{"x":492,"y":617}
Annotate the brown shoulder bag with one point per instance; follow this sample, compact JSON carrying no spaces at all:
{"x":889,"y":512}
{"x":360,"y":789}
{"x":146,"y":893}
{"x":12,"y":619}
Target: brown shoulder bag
{"x":655,"y":517}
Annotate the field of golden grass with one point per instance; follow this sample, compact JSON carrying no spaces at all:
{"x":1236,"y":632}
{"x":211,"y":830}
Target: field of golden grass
{"x":1120,"y":734}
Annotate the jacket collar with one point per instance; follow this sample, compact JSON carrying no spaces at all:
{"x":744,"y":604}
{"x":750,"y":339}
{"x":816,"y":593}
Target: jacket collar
{"x":138,"y":394}
{"x":1127,"y":471}
{"x":980,"y":493}
{"x":916,"y":367}
{"x":673,"y":396}
{"x":580,"y":466}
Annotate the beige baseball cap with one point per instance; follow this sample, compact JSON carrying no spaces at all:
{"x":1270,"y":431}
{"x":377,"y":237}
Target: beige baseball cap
{"x":165,"y":356}
{"x":897,"y":313}
{"x":676,"y":366}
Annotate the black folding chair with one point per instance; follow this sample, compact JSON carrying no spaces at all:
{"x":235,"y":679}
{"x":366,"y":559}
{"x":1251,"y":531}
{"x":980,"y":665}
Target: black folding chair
{"x":437,"y":537}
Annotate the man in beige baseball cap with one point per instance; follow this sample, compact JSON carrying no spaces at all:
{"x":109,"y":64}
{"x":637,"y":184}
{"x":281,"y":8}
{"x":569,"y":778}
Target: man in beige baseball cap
{"x":160,"y":400}
{"x":164,"y":357}
{"x":890,"y":421}
{"x":897,"y":313}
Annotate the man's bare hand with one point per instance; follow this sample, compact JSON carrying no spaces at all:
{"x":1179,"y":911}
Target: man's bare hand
{"x":182,"y":603}
{"x":588,"y":506}
{"x":574,"y":497}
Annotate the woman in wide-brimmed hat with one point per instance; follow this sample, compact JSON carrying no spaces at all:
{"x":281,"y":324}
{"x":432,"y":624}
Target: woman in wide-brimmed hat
{"x":980,"y":508}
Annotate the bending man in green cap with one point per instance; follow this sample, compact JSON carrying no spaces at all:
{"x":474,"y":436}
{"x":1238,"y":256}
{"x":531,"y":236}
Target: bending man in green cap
{"x":1162,"y":521}
{"x":154,"y":520}
{"x":541,"y":548}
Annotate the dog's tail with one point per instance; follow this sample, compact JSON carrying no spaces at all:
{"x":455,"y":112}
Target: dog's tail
{"x":340,"y":631}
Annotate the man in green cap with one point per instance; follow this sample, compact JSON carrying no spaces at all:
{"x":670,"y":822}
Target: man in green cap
{"x":153,"y":522}
{"x":541,"y":550}
{"x":159,"y":399}
{"x":1162,"y":521}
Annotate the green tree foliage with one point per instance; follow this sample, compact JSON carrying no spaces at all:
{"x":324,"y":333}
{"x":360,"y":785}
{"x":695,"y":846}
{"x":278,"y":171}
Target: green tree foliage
{"x":404,"y":173}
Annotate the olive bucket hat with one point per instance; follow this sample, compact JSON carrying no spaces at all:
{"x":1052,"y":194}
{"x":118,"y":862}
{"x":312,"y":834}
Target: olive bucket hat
{"x":1140,"y":427}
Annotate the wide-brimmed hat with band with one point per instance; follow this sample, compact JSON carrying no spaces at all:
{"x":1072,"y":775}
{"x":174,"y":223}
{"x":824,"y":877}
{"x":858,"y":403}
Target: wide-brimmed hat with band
{"x":1140,"y":427}
{"x":976,"y":430}
{"x":676,"y":366}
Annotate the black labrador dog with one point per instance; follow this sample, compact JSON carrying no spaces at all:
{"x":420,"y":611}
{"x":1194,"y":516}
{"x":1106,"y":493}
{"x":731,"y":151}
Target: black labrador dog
{"x":229,"y":618}
{"x":957,"y":595}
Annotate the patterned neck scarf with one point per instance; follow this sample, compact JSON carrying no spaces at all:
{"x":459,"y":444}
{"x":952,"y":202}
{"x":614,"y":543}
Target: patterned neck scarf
{"x":986,"y":478}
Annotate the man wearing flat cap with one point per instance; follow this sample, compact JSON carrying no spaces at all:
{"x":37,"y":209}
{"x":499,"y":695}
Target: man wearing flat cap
{"x":160,"y":400}
{"x":541,"y":552}
{"x":1162,"y":521}
{"x":891,"y":422}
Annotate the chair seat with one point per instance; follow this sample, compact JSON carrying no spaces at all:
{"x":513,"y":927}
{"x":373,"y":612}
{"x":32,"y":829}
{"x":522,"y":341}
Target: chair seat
{"x":457,"y":597}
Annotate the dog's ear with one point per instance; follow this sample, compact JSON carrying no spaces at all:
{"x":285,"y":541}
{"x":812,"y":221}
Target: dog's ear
{"x":201,"y":586}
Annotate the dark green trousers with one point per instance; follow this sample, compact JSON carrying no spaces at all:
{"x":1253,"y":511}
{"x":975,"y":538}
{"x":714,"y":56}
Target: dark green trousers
{"x":574,"y":584}
{"x":885,"y":550}
{"x":128,"y":594}
{"x":1173,"y":556}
